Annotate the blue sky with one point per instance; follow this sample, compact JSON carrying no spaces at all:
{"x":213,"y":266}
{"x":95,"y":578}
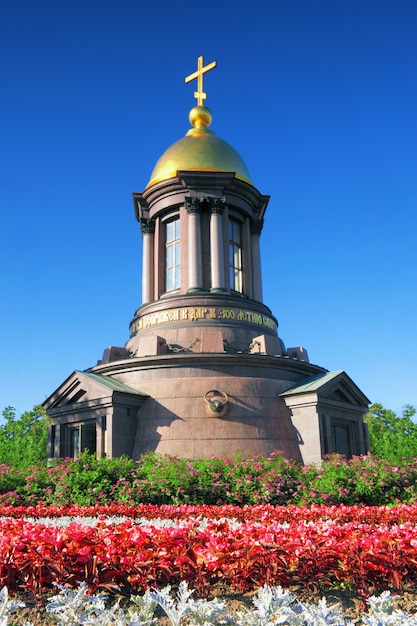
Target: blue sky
{"x":319,"y":98}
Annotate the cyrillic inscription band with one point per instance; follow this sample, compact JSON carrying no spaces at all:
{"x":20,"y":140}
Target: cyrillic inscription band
{"x":209,"y":314}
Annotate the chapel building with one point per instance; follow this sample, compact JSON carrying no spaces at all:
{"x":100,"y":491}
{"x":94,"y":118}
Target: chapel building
{"x":204,"y":371}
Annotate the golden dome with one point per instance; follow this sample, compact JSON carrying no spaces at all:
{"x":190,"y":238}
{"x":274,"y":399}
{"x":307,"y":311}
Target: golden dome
{"x":200,"y":151}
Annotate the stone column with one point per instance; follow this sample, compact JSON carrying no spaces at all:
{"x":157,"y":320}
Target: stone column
{"x":195,"y":262}
{"x":147,"y":227}
{"x":54,"y":441}
{"x":101,"y":445}
{"x":256,"y":228}
{"x":217,"y":245}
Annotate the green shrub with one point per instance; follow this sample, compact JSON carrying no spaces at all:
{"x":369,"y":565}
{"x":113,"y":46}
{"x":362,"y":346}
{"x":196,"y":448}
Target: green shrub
{"x":360,"y":480}
{"x":87,"y":480}
{"x":392,"y":437}
{"x":23,"y":439}
{"x":157,"y":479}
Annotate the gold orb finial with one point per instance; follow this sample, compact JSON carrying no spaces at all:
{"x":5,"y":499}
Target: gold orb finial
{"x":200,"y":117}
{"x":201,"y":70}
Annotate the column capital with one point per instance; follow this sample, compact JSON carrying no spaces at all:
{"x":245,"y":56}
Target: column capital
{"x":193,"y":205}
{"x":147,"y":226}
{"x":256,"y":227}
{"x":216,"y":205}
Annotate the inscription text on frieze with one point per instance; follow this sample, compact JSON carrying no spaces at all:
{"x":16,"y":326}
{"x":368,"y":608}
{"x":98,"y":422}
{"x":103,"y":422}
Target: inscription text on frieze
{"x":194,"y":314}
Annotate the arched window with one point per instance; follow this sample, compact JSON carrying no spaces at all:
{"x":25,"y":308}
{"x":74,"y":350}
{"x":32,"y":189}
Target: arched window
{"x":172,"y":255}
{"x":235,"y":256}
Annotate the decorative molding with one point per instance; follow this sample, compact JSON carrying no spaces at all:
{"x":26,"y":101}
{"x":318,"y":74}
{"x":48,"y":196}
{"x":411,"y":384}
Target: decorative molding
{"x":256,"y":227}
{"x":216,"y":205}
{"x":176,"y":348}
{"x":193,"y":205}
{"x":147,"y":226}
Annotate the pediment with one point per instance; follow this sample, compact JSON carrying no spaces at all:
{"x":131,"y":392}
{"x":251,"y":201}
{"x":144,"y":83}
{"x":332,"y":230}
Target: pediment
{"x":339,"y":395}
{"x":86,"y":387}
{"x":334,"y":386}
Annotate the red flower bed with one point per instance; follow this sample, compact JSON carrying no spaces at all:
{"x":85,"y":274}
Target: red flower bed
{"x":257,"y":513}
{"x":365,"y":548}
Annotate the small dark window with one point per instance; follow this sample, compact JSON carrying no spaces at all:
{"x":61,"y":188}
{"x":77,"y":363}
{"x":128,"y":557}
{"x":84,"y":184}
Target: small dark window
{"x":88,"y":437}
{"x":341,"y":439}
{"x":74,"y":442}
{"x":82,"y":437}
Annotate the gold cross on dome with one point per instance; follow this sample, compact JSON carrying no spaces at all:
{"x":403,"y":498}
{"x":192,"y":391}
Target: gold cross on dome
{"x":199,"y":94}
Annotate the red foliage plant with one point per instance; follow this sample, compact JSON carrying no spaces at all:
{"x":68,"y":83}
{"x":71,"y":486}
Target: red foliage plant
{"x":363,"y":548}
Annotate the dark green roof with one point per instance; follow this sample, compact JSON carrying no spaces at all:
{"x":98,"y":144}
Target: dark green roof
{"x":312,"y":384}
{"x":111,"y":383}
